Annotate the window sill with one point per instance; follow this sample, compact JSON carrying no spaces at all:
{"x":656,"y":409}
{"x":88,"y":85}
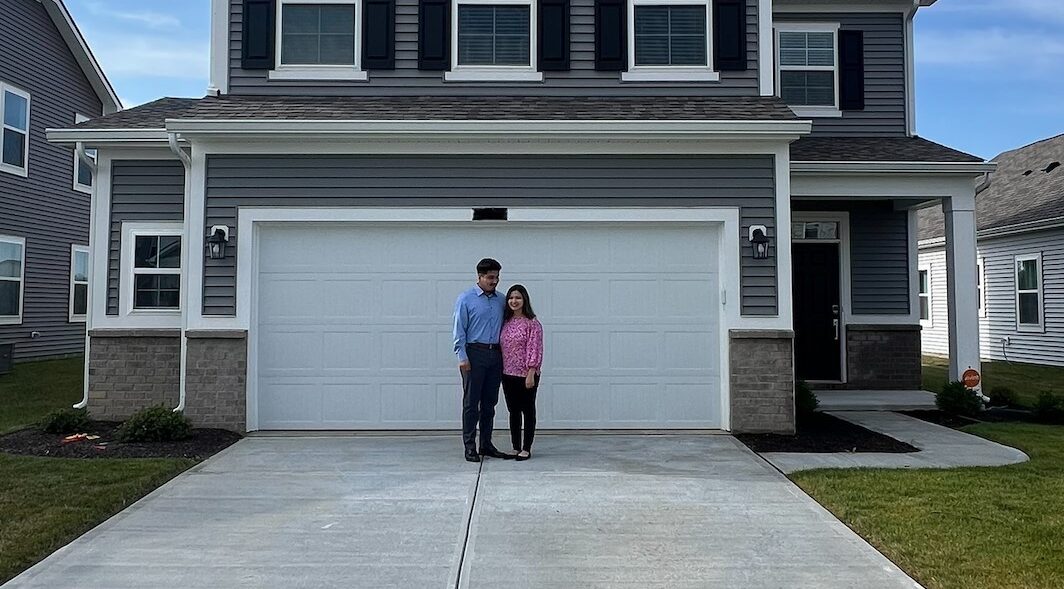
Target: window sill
{"x":8,"y":168}
{"x":343,"y":73}
{"x":83,"y":189}
{"x":670,"y":74}
{"x":11,"y":320}
{"x":154,"y":312}
{"x":77,"y":319}
{"x":476,"y":74}
{"x":1031,"y":328}
{"x":820,"y":112}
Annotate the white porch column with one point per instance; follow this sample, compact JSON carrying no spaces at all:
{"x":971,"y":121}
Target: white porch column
{"x":959,"y":211}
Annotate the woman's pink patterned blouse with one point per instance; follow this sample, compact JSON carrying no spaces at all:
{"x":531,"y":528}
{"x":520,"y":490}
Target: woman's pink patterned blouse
{"x":522,"y":346}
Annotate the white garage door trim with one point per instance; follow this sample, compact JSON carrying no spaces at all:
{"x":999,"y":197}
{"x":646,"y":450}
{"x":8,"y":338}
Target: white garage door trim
{"x":725,"y":219}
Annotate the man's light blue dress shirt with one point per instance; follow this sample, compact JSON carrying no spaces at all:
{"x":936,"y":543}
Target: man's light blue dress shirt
{"x":477,"y":319}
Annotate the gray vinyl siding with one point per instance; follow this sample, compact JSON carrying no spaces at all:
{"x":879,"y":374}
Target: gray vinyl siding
{"x":43,"y":208}
{"x":141,"y":191}
{"x":884,"y":37}
{"x":582,"y":79}
{"x":576,"y":181}
{"x":999,"y":320}
{"x":879,"y":255}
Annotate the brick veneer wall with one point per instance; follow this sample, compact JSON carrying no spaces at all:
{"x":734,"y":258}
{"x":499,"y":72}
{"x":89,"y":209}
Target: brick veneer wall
{"x":883,"y":357}
{"x":762,"y":380}
{"x":215,"y":379}
{"x":130,"y":369}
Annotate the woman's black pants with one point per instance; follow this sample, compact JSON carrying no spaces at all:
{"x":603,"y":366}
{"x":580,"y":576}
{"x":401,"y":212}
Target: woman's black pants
{"x":521,"y":402}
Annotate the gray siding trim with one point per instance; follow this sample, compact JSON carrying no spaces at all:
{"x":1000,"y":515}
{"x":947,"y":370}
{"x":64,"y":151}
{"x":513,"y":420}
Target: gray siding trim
{"x":43,"y":208}
{"x":582,"y":79}
{"x":141,"y":190}
{"x":577,"y":181}
{"x":879,"y":255}
{"x":884,"y":113}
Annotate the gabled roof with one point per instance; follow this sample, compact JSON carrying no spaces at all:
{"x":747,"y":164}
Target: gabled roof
{"x":83,"y":55}
{"x":444,"y":108}
{"x":1027,"y":187}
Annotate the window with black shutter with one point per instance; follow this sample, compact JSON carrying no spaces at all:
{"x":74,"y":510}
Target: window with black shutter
{"x":808,"y":68}
{"x":495,"y":41}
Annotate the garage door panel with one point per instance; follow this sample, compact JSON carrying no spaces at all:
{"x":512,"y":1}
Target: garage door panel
{"x":354,"y":323}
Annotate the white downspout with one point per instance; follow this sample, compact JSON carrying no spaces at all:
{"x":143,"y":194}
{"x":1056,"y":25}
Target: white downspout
{"x":187,"y":162}
{"x":79,"y":151}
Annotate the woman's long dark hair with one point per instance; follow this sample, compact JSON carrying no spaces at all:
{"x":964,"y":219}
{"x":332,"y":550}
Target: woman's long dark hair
{"x":509,"y":313}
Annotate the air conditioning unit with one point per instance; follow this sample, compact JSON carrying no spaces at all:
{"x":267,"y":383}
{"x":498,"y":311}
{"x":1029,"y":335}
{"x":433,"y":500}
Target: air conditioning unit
{"x":7,"y":353}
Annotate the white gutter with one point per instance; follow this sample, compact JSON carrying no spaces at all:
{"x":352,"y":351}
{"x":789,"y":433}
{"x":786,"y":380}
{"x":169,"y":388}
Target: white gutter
{"x":1004,"y":231}
{"x":187,"y":162}
{"x":79,"y":150}
{"x":843,"y":167}
{"x":101,"y":136}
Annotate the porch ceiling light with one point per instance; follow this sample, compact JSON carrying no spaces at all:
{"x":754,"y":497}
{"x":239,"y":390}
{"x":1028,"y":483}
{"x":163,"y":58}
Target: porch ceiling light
{"x":759,"y":242}
{"x":216,"y":242}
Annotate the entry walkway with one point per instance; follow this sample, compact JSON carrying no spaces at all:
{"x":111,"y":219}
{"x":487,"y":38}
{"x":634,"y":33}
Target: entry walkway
{"x":587,"y":511}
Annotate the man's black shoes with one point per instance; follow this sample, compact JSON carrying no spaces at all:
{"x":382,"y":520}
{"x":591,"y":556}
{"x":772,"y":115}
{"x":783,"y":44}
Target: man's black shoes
{"x":472,"y":456}
{"x":494,"y":453}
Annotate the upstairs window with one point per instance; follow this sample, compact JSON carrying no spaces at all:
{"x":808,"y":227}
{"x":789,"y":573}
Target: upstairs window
{"x":670,"y":40}
{"x":1029,"y":310}
{"x":318,"y":39}
{"x":807,"y":76}
{"x":493,"y":40}
{"x":12,"y":274}
{"x":15,"y":106}
{"x":82,"y":168}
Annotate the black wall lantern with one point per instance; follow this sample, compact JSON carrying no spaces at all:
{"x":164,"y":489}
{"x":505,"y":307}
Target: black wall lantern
{"x":216,"y":241}
{"x":759,"y":242}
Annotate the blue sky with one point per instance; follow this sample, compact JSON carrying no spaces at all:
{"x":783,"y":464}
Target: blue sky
{"x":990,"y":73}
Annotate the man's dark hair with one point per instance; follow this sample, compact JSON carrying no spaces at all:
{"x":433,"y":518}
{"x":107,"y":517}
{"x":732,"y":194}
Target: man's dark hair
{"x":488,"y":265}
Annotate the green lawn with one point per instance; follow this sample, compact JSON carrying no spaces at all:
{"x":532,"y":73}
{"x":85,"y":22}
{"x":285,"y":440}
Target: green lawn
{"x":47,"y":502}
{"x":993,"y":528}
{"x":1026,"y":380}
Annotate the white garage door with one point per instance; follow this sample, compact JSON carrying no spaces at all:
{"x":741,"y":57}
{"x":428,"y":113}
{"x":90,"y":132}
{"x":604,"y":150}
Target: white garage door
{"x":354,"y":322}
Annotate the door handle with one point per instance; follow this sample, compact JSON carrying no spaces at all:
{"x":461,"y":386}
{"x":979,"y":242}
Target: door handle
{"x":835,"y":322}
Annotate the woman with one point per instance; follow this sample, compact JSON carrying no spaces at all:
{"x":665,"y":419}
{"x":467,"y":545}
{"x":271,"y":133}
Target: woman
{"x":522,"y":357}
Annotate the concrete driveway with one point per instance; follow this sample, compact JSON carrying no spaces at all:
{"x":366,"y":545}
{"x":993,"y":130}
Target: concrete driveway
{"x":586,"y":511}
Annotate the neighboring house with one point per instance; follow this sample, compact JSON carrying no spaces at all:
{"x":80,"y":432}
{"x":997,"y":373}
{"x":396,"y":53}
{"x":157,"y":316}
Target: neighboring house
{"x":285,"y":253}
{"x":1020,"y":277}
{"x":48,"y":78}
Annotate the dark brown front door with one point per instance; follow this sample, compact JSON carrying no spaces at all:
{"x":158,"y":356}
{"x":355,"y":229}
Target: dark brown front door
{"x":817,"y":345}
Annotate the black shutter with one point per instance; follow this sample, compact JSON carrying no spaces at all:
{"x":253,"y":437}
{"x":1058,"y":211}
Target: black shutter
{"x":729,"y":35}
{"x":611,"y":35}
{"x":851,"y":70}
{"x":256,"y":47}
{"x":553,"y":35}
{"x":434,"y":35}
{"x":378,"y":35}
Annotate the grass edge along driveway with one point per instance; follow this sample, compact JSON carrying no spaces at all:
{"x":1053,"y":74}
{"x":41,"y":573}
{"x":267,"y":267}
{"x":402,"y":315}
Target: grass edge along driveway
{"x":1026,"y":380}
{"x":45,"y":503}
{"x":993,"y":528}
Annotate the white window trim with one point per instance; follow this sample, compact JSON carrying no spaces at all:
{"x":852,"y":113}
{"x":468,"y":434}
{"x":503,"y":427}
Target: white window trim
{"x":74,"y":251}
{"x":496,"y":73}
{"x":930,"y":295}
{"x":980,"y":270}
{"x":86,"y":188}
{"x":23,"y":171}
{"x":670,"y":73}
{"x":16,"y":319}
{"x":1040,"y":327}
{"x":833,"y":28}
{"x":130,"y":232}
{"x":350,"y":73}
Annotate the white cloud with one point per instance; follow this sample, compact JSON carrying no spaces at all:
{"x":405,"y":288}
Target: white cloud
{"x":152,"y":57}
{"x":1017,"y":52}
{"x":155,"y":20}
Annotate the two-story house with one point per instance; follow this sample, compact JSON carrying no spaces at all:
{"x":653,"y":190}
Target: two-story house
{"x":705,"y":199}
{"x":48,"y":78}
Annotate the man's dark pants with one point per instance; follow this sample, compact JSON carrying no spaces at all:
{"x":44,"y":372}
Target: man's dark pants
{"x":480,"y":386}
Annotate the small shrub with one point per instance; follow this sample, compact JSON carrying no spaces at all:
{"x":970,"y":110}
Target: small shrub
{"x":155,"y":424}
{"x":805,"y":401}
{"x":958,"y":399}
{"x":66,"y":421}
{"x":1002,"y":397}
{"x":1049,"y":408}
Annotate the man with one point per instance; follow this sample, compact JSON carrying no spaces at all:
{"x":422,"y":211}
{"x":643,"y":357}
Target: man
{"x":477,"y":325}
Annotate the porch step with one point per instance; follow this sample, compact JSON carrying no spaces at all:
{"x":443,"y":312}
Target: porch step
{"x":875,"y":400}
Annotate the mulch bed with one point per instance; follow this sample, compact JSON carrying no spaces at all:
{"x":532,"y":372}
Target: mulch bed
{"x":824,"y":433}
{"x":34,"y":442}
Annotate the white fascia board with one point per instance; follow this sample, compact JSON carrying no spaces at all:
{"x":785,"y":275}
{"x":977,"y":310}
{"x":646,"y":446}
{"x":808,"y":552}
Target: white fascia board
{"x":93,"y":137}
{"x":489,"y":128}
{"x":1005,"y":231}
{"x":827,"y":6}
{"x":892,"y":167}
{"x":68,"y":29}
